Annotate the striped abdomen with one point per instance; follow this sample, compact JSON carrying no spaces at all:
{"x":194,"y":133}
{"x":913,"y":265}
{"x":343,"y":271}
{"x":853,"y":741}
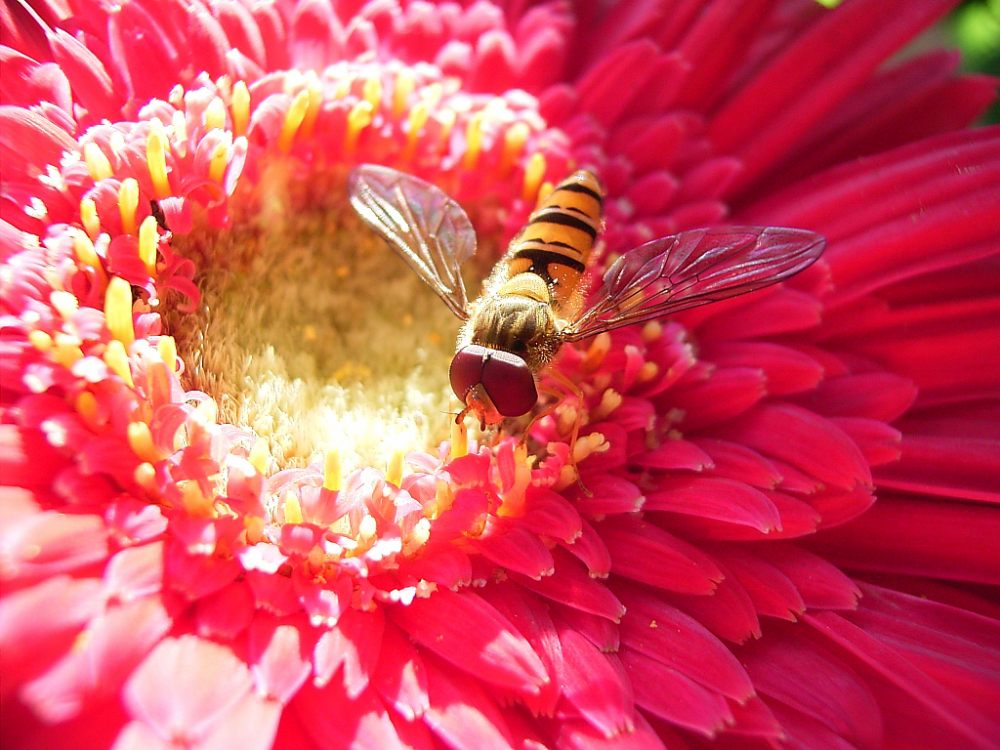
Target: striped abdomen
{"x":558,"y":237}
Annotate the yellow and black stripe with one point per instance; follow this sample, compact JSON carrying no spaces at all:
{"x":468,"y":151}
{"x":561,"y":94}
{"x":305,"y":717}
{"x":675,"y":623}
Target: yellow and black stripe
{"x":558,"y":237}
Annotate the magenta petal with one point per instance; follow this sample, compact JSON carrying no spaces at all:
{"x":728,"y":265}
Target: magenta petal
{"x":135,"y":572}
{"x":572,"y":586}
{"x":668,"y":694}
{"x":643,"y":552}
{"x":354,"y":643}
{"x":655,"y":630}
{"x":332,"y":720}
{"x":206,"y":679}
{"x":400,"y":677}
{"x":468,"y":632}
{"x":461,"y":713}
{"x":594,"y":687}
{"x":718,"y":499}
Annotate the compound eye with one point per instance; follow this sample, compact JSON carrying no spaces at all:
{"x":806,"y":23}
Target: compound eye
{"x":466,"y":369}
{"x":509,"y":383}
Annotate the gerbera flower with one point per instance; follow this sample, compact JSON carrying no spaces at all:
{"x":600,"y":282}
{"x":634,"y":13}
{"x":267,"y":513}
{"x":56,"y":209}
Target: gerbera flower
{"x":233,"y":515}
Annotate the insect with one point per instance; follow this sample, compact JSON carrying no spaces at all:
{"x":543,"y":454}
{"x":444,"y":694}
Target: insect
{"x":533,"y":300}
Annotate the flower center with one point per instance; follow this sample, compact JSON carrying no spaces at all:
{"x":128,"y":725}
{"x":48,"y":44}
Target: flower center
{"x":316,"y":336}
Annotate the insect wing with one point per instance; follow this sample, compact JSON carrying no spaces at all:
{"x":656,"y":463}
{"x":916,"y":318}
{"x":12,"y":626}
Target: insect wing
{"x":693,"y":268}
{"x":427,"y":228}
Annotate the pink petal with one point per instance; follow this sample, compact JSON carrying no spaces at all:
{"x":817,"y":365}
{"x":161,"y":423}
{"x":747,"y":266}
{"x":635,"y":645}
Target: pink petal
{"x":466,"y":631}
{"x":461,"y":713}
{"x":595,"y":687}
{"x":278,"y":659}
{"x":206,"y":680}
{"x":135,"y":572}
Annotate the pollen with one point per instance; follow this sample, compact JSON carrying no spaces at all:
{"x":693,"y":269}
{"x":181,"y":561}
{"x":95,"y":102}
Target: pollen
{"x":97,"y":162}
{"x":534,"y":173}
{"x":371,"y":91}
{"x":588,"y":445}
{"x":293,"y":120}
{"x":167,"y":348}
{"x":415,"y":124}
{"x":647,"y":372}
{"x":402,"y":89}
{"x":332,"y":471}
{"x":89,"y":218}
{"x":218,"y":163}
{"x":66,"y":350}
{"x":128,"y":202}
{"x":359,"y":118}
{"x":145,"y":476}
{"x":394,"y":471}
{"x":65,"y":303}
{"x":40,"y":340}
{"x":87,"y":407}
{"x":652,"y":331}
{"x":260,"y":456}
{"x":291,"y":508}
{"x":240,"y":108}
{"x":194,"y":501}
{"x":149,"y":238}
{"x":610,"y":400}
{"x":117,"y":360}
{"x":118,"y":310}
{"x":315,"y":93}
{"x":83,"y":248}
{"x":473,"y":140}
{"x":214,"y":117}
{"x":596,"y":352}
{"x":140,"y":440}
{"x":156,"y":159}
{"x":513,"y":143}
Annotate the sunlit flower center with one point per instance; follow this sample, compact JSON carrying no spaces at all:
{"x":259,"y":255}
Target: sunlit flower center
{"x":314,"y":335}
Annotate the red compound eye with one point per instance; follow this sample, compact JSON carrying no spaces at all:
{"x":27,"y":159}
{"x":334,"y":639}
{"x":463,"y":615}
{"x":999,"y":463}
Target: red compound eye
{"x":505,"y":377}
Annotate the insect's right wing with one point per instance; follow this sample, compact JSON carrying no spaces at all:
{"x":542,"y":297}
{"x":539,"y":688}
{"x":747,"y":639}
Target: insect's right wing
{"x":419,"y":221}
{"x":694,"y":268}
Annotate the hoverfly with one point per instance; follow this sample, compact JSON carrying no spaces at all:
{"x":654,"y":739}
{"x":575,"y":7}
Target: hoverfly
{"x":532,"y":301}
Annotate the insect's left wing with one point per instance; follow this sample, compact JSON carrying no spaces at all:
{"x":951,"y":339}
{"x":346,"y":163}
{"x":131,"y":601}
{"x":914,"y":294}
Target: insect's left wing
{"x":693,"y":268}
{"x":427,"y":228}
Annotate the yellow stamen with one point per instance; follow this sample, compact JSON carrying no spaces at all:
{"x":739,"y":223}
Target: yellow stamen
{"x":343,"y":87}
{"x":293,"y":119}
{"x":97,"y":163}
{"x":359,"y":118}
{"x":418,"y":536}
{"x":459,"y":440}
{"x":214,"y":117}
{"x":156,"y":160}
{"x":332,"y":471}
{"x":432,"y":94}
{"x":405,"y":83}
{"x":473,"y":140}
{"x":647,"y":372}
{"x":128,"y":202}
{"x":513,"y":500}
{"x":65,"y":303}
{"x":597,"y":351}
{"x":140,"y":440}
{"x":254,"y":526}
{"x":66,"y":351}
{"x":513,"y":142}
{"x":315,"y":94}
{"x":145,"y":476}
{"x":291,"y":508}
{"x":367,"y":529}
{"x":260,"y":456}
{"x":587,"y":445}
{"x":218,"y":163}
{"x":533,"y":174}
{"x":194,"y":501}
{"x":89,"y":218}
{"x":371,"y":92}
{"x":610,"y":400}
{"x":446,"y":118}
{"x":86,"y":407}
{"x":394,"y":472}
{"x":116,"y":358}
{"x":118,"y":310}
{"x":240,"y":107}
{"x":149,"y":238}
{"x":167,"y":348}
{"x":652,"y":331}
{"x":416,"y":122}
{"x":40,"y":340}
{"x":207,"y":411}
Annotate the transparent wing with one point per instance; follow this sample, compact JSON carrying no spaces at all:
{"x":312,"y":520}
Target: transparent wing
{"x":693,"y":268}
{"x":419,"y":221}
